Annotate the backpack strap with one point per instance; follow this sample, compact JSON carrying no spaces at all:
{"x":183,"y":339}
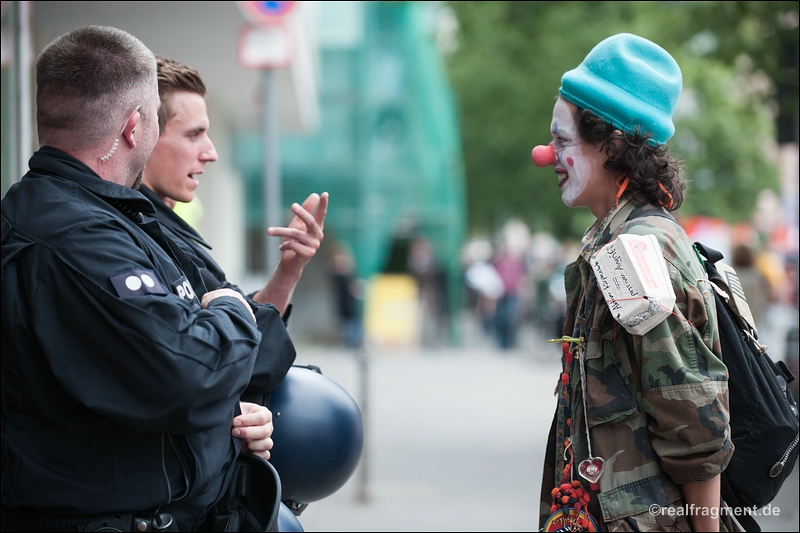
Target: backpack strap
{"x":745,"y":520}
{"x":711,"y":255}
{"x":723,"y":276}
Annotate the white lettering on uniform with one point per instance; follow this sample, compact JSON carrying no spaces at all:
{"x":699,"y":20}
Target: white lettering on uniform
{"x":189,"y":290}
{"x":148,"y":281}
{"x":181,"y":292}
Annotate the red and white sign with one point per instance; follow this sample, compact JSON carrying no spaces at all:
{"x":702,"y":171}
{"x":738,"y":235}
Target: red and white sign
{"x":265,"y":13}
{"x":268,"y":41}
{"x":265,"y":47}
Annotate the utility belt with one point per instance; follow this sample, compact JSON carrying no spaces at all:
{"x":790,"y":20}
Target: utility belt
{"x":29,"y":521}
{"x":251,"y":503}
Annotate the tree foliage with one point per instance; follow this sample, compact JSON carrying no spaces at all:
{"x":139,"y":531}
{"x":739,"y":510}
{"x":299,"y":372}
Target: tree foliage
{"x":506,"y":72}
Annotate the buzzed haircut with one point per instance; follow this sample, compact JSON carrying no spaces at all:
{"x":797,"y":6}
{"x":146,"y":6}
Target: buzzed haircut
{"x":88,"y":81}
{"x":174,"y":76}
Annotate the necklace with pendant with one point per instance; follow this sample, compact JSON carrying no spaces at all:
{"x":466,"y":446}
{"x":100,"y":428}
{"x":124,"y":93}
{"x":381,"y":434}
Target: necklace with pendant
{"x":592,"y":467}
{"x":569,"y":511}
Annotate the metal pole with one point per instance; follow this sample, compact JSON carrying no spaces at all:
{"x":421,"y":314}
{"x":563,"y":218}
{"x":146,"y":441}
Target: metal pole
{"x":363,"y":468}
{"x":272,"y":169}
{"x":23,"y":132}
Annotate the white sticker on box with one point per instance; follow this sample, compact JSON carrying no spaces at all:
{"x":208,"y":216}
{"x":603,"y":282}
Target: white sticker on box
{"x":633,"y":277}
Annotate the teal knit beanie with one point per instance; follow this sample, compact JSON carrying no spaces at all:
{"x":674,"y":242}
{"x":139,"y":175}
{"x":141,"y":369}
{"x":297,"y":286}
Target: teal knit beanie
{"x":631,"y":82}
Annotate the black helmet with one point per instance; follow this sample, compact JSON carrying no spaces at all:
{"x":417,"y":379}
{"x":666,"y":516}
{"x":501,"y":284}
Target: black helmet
{"x":287,"y":521}
{"x":318,"y":435}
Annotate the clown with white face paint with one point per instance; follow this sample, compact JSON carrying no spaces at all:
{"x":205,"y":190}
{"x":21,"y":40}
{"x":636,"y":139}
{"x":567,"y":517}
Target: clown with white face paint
{"x":633,"y":419}
{"x":578,"y":165}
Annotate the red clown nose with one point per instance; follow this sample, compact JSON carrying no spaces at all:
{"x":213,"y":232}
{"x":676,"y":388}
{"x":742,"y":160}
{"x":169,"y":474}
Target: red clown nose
{"x":544,"y":156}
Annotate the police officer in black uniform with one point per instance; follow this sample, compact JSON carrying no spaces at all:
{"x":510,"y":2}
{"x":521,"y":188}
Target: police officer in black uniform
{"x":122,"y":372}
{"x":171,"y":176}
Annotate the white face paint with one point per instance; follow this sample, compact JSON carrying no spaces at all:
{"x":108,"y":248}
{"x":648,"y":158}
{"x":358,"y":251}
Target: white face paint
{"x":573,"y":168}
{"x":577,"y":161}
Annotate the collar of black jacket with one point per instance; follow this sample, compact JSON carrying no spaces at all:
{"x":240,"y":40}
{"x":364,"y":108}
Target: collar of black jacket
{"x":167,"y":216}
{"x":53,"y":162}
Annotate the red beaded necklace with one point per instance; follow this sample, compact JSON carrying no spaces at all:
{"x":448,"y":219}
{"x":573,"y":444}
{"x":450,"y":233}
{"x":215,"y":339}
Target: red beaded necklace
{"x":570,"y":500}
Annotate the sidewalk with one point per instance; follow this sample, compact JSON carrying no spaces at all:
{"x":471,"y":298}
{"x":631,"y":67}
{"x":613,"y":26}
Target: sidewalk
{"x":455,"y":440}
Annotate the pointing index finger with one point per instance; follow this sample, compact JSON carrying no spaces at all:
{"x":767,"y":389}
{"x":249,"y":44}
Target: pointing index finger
{"x":322,"y":209}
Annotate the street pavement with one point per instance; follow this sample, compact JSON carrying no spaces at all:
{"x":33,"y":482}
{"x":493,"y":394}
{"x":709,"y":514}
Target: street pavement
{"x":454,"y":438}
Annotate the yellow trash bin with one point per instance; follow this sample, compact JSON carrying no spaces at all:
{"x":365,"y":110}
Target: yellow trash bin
{"x":391,"y":311}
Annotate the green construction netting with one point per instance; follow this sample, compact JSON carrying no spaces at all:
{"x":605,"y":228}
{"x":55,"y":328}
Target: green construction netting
{"x":388,"y":148}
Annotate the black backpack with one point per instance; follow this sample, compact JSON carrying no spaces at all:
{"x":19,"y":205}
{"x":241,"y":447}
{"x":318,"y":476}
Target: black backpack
{"x":764,"y":415}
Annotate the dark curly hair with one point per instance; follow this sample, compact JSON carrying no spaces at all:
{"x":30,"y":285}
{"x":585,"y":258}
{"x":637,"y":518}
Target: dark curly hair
{"x":654,"y":173}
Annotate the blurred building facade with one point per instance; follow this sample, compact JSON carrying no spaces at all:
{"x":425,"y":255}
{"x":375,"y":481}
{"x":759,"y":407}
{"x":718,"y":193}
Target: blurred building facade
{"x":388,"y":147}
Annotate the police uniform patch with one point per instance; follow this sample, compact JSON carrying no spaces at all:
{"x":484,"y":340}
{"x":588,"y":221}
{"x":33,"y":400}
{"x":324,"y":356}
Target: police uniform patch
{"x":137,"y":282}
{"x":184,"y":289}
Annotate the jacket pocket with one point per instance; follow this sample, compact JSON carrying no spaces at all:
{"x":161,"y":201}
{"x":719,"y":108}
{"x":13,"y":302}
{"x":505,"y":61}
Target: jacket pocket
{"x":609,"y":396}
{"x":651,"y":504}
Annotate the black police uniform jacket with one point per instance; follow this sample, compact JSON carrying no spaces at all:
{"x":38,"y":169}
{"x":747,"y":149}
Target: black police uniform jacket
{"x":118,"y":390}
{"x":276,"y":353}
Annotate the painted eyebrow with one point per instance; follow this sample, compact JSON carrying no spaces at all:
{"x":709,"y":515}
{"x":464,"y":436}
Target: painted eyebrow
{"x":557,"y":133}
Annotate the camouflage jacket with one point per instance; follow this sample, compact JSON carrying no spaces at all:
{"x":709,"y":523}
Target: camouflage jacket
{"x":657,"y":404}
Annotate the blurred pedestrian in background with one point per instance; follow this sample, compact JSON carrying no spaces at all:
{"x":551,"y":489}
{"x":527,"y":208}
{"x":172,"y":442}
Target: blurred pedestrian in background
{"x":347,"y":296}
{"x":511,"y":263}
{"x":510,"y":266}
{"x":772,"y":267}
{"x":432,"y":283}
{"x":486,"y":288}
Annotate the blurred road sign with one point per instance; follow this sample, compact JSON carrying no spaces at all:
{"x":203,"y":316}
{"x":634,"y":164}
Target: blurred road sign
{"x":265,"y":47}
{"x":5,"y":51}
{"x":265,"y":13}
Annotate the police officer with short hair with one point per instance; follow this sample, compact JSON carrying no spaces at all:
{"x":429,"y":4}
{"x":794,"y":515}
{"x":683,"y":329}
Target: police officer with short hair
{"x":171,"y":176}
{"x":122,"y":372}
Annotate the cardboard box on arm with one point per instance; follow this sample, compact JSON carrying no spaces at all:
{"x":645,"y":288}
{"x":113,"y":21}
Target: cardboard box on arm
{"x":632,"y":275}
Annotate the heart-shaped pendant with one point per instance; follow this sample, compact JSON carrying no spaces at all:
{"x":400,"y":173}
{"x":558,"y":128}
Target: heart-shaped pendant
{"x":591,"y":469}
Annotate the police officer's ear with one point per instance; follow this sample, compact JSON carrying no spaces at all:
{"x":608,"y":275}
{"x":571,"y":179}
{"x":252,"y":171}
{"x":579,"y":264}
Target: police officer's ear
{"x":129,"y":128}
